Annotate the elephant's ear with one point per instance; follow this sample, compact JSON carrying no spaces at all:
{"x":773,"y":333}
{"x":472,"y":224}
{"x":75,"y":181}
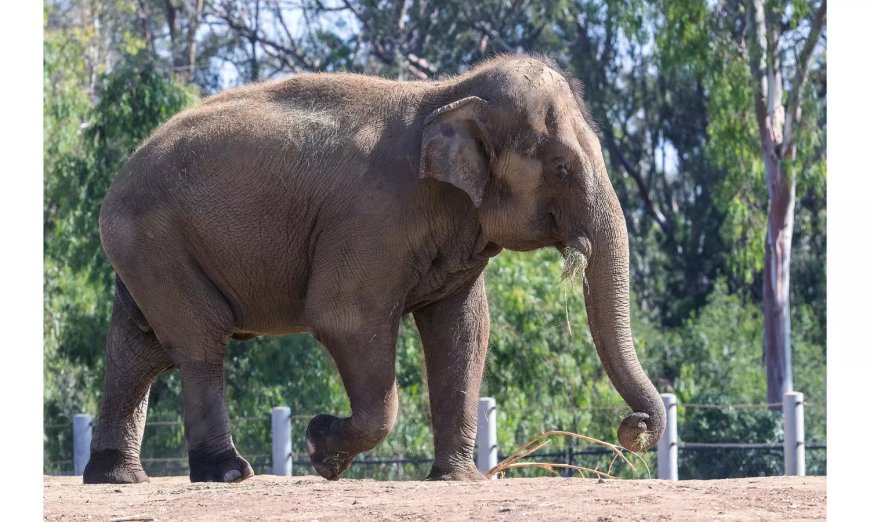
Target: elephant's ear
{"x":453,"y":148}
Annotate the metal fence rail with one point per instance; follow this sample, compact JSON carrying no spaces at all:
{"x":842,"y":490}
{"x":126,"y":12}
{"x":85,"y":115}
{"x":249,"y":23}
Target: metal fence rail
{"x":282,"y":459}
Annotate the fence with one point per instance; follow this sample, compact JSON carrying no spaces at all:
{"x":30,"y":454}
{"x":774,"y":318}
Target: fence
{"x":793,"y":445}
{"x":282,"y":459}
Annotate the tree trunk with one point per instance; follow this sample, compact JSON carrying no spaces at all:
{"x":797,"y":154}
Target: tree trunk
{"x":777,"y":130}
{"x":173,"y":28}
{"x":189,"y":74}
{"x":777,"y":264}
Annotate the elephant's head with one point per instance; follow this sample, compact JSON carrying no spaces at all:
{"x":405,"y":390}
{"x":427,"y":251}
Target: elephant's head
{"x":521,"y":145}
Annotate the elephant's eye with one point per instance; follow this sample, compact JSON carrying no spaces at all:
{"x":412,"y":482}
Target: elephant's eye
{"x":562,"y":171}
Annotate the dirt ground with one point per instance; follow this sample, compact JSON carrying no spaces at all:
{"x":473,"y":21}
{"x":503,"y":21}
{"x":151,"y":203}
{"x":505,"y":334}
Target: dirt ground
{"x":268,"y":497}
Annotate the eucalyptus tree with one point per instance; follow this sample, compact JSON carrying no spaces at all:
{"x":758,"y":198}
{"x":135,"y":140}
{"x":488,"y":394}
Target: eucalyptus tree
{"x":782,"y":48}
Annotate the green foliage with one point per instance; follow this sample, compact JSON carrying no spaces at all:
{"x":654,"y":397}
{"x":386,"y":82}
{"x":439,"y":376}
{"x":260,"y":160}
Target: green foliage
{"x":718,"y":349}
{"x":542,"y":368}
{"x":542,"y":363}
{"x":728,"y":424}
{"x":733,"y":147}
{"x":84,"y":146}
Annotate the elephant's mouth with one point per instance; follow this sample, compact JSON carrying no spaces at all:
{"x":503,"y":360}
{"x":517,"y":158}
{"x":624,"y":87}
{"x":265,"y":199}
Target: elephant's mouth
{"x":576,"y":256}
{"x":575,"y":264}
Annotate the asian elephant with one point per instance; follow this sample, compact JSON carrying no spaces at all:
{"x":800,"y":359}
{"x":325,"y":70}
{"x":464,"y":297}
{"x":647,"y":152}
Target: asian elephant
{"x":335,"y":204}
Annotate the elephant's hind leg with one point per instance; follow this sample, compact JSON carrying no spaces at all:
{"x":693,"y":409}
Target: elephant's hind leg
{"x":134,"y":359}
{"x":211,"y":453}
{"x":195,"y":331}
{"x":192,"y":320}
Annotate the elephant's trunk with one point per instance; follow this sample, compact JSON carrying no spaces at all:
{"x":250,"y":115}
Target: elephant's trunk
{"x":606,"y":291}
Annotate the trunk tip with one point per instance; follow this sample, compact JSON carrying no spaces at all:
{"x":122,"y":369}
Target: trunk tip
{"x":638,"y":432}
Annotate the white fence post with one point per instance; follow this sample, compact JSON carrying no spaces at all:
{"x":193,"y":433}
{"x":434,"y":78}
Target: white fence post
{"x":487,"y":447}
{"x":282,"y":445}
{"x":793,"y":443}
{"x":666,"y":458}
{"x":82,"y":431}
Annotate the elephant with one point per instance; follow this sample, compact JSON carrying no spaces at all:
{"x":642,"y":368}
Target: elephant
{"x":336,"y":204}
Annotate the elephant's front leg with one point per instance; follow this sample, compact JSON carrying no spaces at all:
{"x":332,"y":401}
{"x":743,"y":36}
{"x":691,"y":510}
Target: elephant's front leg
{"x":455,"y":333}
{"x":366,"y":361}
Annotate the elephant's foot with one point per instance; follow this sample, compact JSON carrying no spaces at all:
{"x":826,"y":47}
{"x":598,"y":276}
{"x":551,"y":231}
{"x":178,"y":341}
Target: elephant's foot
{"x":225,"y":466}
{"x":329,"y":460}
{"x":111,"y":466}
{"x":455,"y":472}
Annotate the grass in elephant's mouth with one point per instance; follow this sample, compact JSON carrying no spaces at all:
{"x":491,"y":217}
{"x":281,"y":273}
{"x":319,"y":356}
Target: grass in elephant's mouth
{"x":575,"y":265}
{"x":574,"y":268}
{"x":543,"y":439}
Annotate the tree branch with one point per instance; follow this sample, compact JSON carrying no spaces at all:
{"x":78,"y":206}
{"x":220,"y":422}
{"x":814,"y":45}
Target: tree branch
{"x":255,"y":36}
{"x":657,"y":216}
{"x":191,"y":38}
{"x":485,"y":28}
{"x":170,"y":21}
{"x":795,"y":98}
{"x":323,"y":8}
{"x":757,"y":64}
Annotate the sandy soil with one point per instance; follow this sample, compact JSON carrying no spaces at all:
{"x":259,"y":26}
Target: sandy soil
{"x":267,"y":497}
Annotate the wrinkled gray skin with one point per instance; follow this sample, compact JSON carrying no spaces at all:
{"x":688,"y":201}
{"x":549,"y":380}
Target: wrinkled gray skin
{"x":334,"y":204}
